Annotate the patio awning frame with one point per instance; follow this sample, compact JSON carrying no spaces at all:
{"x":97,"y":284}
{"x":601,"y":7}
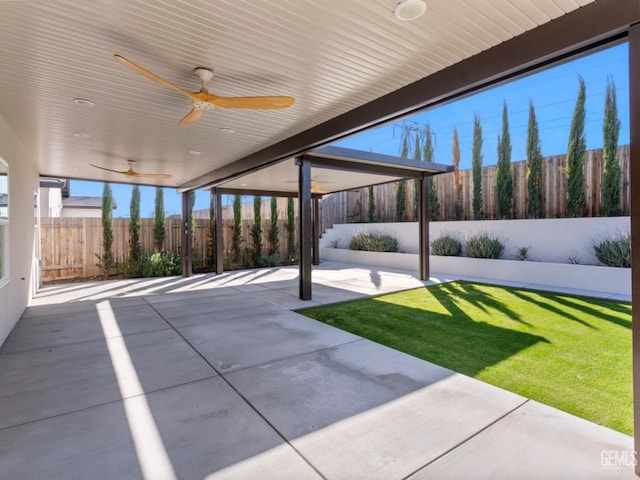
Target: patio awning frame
{"x":338,"y":161}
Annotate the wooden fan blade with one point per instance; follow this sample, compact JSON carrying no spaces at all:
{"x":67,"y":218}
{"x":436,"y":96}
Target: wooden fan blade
{"x":147,"y":175}
{"x":132,"y":173}
{"x":250,"y":102}
{"x":150,"y":75}
{"x":121,"y":172}
{"x":192,"y":117}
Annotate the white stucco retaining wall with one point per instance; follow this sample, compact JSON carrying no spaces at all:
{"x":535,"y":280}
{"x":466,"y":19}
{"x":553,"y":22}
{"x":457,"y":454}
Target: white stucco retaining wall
{"x":580,"y":277}
{"x":550,"y":240}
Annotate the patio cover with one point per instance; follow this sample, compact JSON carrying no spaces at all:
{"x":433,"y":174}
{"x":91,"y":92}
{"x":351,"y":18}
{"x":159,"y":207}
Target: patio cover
{"x":309,"y":176}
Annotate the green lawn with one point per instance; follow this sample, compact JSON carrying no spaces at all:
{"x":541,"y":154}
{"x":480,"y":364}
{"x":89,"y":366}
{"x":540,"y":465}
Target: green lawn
{"x":572,"y":353}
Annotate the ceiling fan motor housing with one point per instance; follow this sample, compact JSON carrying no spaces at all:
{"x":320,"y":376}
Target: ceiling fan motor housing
{"x":203,"y":105}
{"x":203,"y":73}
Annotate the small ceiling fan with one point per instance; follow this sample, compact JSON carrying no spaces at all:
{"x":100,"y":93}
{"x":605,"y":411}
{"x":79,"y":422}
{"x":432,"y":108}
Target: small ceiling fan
{"x":203,"y":100}
{"x":132,"y":173}
{"x":317,"y":189}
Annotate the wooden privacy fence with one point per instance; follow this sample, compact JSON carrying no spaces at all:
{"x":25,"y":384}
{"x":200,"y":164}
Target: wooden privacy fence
{"x":246,"y":211}
{"x":352,"y":206}
{"x":69,"y":246}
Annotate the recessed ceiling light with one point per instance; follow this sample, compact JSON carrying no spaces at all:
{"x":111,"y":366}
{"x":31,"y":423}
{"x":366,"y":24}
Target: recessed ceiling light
{"x":408,"y":10}
{"x":243,"y":184}
{"x":81,"y":134}
{"x":83,"y":102}
{"x":227,"y":130}
{"x":195,"y":152}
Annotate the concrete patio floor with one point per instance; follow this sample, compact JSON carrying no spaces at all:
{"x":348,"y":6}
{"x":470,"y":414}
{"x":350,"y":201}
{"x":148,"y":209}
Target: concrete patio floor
{"x":216,"y":377}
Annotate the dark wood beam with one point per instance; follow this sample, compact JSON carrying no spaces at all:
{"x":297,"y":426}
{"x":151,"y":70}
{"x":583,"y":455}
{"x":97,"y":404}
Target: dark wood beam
{"x":634,"y":185}
{"x":304,"y":218}
{"x":362,"y":157}
{"x":346,"y":166}
{"x":219,"y":246}
{"x":262,"y":193}
{"x":423,"y":227}
{"x":187,"y":238}
{"x":571,"y":34}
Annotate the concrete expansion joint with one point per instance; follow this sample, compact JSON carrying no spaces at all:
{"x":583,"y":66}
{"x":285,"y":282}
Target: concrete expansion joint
{"x":293,"y":357}
{"x":470,"y":437}
{"x":122,"y":399}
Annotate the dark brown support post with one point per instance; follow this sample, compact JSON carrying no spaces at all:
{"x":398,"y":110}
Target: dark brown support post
{"x":186,"y":234}
{"x":634,"y":185}
{"x":316,"y":230}
{"x":219,"y":253}
{"x":423,"y":226}
{"x":304,"y":217}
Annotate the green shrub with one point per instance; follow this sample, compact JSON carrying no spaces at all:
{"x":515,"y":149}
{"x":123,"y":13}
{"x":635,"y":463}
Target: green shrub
{"x":230,"y":264}
{"x":269,"y":260}
{"x":373,"y":242}
{"x":484,"y":246}
{"x":523,"y":253}
{"x":160,"y":264}
{"x":447,"y":246}
{"x":128,"y":268}
{"x":615,"y":251}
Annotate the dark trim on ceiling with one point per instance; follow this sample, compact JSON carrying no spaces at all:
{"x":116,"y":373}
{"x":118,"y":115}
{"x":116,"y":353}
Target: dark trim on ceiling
{"x":260,"y":193}
{"x":363,"y":161}
{"x":345,"y":165}
{"x":346,"y":159}
{"x":588,"y":27}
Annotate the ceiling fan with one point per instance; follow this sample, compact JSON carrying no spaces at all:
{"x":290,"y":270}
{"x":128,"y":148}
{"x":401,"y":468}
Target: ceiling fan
{"x":132,"y":173}
{"x":203,"y":100}
{"x":317,"y":189}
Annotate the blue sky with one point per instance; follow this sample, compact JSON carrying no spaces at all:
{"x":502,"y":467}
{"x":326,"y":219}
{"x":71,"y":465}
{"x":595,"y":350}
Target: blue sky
{"x":552,"y":91}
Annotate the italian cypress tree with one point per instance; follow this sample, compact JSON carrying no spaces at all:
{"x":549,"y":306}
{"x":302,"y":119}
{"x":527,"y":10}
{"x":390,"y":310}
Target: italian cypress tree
{"x":401,"y":189}
{"x":212,"y":226}
{"x":291,"y":229}
{"x":158,"y":220}
{"x":192,"y":218}
{"x":274,"y":228}
{"x":192,"y":204}
{"x":236,"y":235}
{"x":611,"y":169}
{"x":417,"y":155}
{"x":427,"y":146}
{"x":256,"y":230}
{"x":534,"y":166}
{"x":575,"y":156}
{"x":135,"y":249}
{"x":371,"y":209}
{"x":434,"y":203}
{"x":504,"y":178}
{"x":427,"y":156}
{"x":476,"y":164}
{"x":457,"y":177}
{"x":106,"y":261}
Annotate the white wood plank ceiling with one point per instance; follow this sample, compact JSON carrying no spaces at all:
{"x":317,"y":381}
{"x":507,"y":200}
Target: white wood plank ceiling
{"x":331,"y":55}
